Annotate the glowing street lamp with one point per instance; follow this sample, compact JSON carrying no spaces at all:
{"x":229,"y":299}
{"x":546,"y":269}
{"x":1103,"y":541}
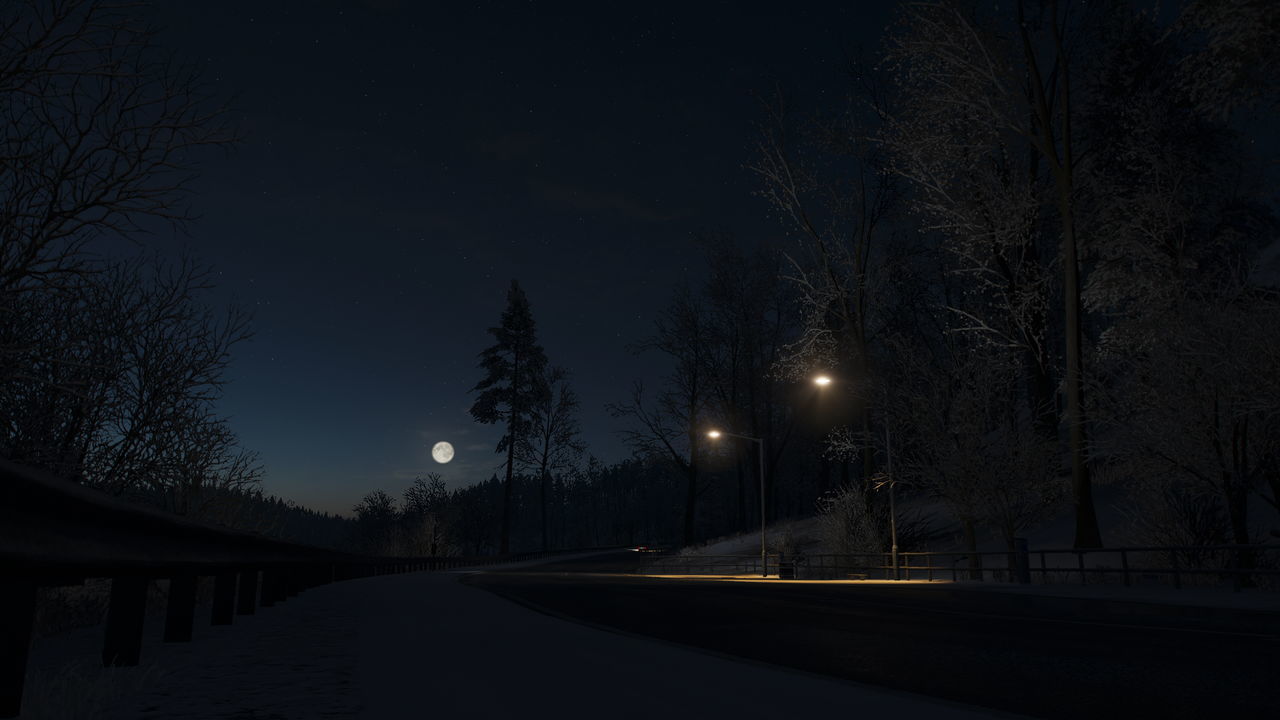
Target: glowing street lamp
{"x":715,"y":435}
{"x":822,"y":381}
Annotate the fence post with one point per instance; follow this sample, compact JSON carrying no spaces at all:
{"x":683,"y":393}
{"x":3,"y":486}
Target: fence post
{"x":17,"y":616}
{"x":180,"y":612}
{"x":1080,"y":562}
{"x":122,"y":643}
{"x":270,"y":587}
{"x":1021,"y":561}
{"x":248,"y":599}
{"x":1124,"y":565}
{"x":224,"y":598}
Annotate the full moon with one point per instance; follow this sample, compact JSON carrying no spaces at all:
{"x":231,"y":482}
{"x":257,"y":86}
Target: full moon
{"x":442,"y":452}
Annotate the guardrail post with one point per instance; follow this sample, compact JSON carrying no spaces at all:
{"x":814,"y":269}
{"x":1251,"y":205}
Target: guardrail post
{"x":1080,"y":562}
{"x":1124,"y":565}
{"x":122,"y":643}
{"x":224,"y":598}
{"x":17,"y":616}
{"x":270,"y":588}
{"x":180,"y":612}
{"x":248,"y":598}
{"x":1021,"y":561}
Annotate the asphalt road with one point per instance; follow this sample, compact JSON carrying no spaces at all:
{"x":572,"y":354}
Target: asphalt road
{"x":922,"y":642}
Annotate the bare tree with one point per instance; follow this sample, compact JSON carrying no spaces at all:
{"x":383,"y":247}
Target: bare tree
{"x":670,"y":424}
{"x":117,"y":383}
{"x":100,"y":129}
{"x":554,"y":443}
{"x":108,"y":372}
{"x":424,"y":511}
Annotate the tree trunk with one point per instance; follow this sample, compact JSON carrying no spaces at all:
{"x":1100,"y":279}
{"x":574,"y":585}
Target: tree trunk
{"x":543,"y":493}
{"x":1236,"y":496}
{"x":691,"y":492}
{"x":1087,"y":532}
{"x":1062,"y":166}
{"x":504,"y":543}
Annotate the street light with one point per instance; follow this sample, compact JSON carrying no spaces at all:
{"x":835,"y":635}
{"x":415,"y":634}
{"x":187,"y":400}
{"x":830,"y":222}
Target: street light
{"x":822,"y":381}
{"x":716,"y":434}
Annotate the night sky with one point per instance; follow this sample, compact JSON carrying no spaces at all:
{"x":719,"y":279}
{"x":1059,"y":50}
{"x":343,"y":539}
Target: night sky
{"x":403,"y":162}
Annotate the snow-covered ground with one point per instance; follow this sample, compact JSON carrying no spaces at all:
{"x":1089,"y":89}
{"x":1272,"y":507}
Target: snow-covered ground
{"x":425,"y":645}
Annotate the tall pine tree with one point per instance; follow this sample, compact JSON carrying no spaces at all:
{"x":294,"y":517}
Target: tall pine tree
{"x":512,"y":387}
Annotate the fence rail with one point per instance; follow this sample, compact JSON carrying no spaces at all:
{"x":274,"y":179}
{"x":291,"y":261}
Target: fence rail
{"x":1238,"y":565}
{"x":707,"y":565}
{"x":55,"y":533}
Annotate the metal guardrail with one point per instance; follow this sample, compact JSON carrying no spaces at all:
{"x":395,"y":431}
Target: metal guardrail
{"x":56,"y":533}
{"x":1237,"y":564}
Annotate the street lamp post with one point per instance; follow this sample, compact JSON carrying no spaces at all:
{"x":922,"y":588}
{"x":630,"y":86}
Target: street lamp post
{"x":893,"y":513}
{"x":764,"y":562}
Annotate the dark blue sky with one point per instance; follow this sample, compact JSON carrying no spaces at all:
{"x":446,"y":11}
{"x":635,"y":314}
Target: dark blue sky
{"x":403,"y":161}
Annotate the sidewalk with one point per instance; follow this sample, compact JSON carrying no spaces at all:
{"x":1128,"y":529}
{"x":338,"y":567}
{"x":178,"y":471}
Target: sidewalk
{"x":424,"y":645}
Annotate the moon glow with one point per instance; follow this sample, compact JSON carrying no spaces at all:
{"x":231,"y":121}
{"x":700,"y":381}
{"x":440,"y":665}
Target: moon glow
{"x":442,"y":452}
